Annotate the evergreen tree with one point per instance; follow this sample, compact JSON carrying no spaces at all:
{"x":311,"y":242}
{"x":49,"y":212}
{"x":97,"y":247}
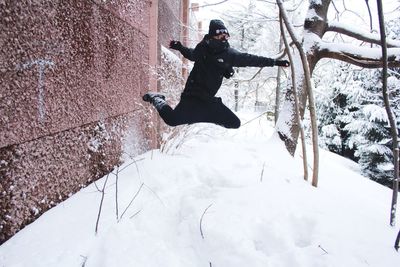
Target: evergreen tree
{"x":331,"y":107}
{"x":368,"y":124}
{"x":352,"y":118}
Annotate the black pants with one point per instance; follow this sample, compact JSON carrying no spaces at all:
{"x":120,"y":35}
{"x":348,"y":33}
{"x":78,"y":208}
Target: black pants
{"x":192,"y":109}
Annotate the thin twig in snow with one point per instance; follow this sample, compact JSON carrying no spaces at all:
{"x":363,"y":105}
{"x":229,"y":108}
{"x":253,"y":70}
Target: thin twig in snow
{"x":116,"y":193}
{"x":134,"y":162}
{"x":101,"y":204}
{"x":84,"y":260}
{"x":130,"y":203}
{"x":137,"y":169}
{"x":154,"y":193}
{"x":326,"y":252}
{"x":262,"y":114}
{"x":397,"y":242}
{"x":136,"y":213}
{"x":262,"y":172}
{"x":98,"y":189}
{"x":201,"y":221}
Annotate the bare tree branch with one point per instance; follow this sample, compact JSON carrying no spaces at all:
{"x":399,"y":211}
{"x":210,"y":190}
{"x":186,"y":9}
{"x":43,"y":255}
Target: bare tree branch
{"x":358,"y":61}
{"x":361,"y":56}
{"x":359,"y":35}
{"x":370,"y":15}
{"x":214,"y":4}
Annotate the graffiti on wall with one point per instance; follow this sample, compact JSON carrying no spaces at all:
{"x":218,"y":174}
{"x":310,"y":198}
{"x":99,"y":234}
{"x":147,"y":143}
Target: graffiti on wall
{"x":41,"y":67}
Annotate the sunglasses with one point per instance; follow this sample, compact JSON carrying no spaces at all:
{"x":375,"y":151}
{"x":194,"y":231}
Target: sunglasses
{"x":221,"y":31}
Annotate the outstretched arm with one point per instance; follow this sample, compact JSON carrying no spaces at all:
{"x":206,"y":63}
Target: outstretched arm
{"x":249,"y":60}
{"x":185,"y":51}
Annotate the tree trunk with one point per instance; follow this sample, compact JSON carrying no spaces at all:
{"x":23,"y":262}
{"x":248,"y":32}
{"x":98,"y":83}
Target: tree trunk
{"x":287,"y":126}
{"x":308,"y":89}
{"x":296,"y":101}
{"x":278,"y":86}
{"x":315,"y":26}
{"x":390,"y":114}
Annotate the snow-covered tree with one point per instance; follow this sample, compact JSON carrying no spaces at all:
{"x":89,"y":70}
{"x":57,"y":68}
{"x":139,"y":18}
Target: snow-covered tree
{"x":352,"y":120}
{"x":331,"y":106}
{"x":367,"y":124}
{"x":318,"y":45}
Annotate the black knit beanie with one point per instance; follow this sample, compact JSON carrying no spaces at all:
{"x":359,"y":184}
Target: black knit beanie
{"x":216,"y":26}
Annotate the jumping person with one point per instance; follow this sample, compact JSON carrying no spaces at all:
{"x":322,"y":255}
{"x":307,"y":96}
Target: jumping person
{"x":213,"y":60}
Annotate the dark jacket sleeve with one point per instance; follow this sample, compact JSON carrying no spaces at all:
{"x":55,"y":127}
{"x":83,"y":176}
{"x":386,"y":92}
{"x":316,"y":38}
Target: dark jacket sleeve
{"x":248,"y":60}
{"x":195,"y":54}
{"x":188,"y":53}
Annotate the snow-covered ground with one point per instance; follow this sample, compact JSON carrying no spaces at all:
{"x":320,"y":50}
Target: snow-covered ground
{"x":225,"y":198}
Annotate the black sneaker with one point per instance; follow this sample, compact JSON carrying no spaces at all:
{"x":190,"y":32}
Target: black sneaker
{"x":149,"y":97}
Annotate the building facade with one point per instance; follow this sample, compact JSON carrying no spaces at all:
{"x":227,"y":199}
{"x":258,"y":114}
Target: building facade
{"x":71,"y":78}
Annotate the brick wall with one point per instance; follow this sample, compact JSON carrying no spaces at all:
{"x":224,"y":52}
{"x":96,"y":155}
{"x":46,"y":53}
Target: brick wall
{"x":71,"y":78}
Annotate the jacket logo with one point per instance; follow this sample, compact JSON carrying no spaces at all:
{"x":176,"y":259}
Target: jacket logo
{"x":220,"y":60}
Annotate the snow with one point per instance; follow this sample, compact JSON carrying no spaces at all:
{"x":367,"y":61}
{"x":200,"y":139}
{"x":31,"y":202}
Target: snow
{"x":283,"y":123}
{"x":375,"y":113}
{"x":312,"y":15}
{"x":316,"y":2}
{"x":373,"y":53}
{"x":379,"y":149}
{"x":355,"y":28}
{"x":171,"y":56}
{"x":240,"y":187}
{"x":330,"y":130}
{"x":311,"y":40}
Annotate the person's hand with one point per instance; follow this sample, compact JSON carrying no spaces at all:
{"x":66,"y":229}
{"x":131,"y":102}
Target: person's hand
{"x":176,"y":45}
{"x":282,"y":63}
{"x":229,"y":73}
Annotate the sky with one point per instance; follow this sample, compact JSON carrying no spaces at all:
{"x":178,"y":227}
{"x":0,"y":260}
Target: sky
{"x":352,"y":11}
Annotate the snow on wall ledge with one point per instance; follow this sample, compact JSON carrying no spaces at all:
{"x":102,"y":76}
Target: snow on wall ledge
{"x":72,"y":74}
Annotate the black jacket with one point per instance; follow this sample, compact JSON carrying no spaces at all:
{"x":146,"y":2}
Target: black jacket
{"x":214,"y":60}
